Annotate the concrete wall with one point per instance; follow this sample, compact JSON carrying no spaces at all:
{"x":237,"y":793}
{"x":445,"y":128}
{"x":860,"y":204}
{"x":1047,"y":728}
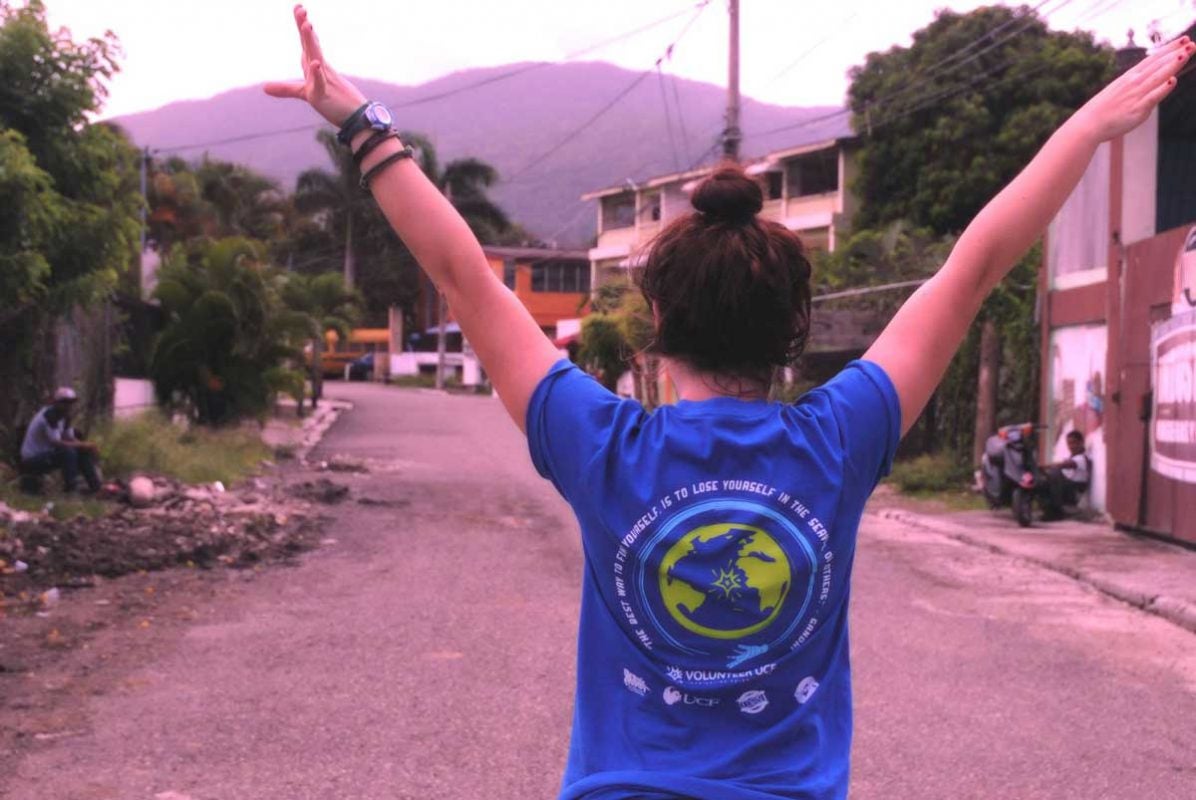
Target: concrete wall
{"x":132,"y":396}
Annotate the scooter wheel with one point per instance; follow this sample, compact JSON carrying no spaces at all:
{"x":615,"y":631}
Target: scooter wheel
{"x":1023,"y":507}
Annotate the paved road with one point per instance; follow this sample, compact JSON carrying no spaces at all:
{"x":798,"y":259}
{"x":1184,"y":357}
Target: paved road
{"x":427,"y":654}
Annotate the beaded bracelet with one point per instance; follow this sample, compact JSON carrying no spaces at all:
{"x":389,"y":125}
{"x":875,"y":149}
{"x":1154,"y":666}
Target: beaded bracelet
{"x":406,"y":152}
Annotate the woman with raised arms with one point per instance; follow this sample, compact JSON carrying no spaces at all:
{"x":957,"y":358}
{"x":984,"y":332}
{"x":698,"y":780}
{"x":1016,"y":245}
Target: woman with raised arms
{"x":712,"y":653}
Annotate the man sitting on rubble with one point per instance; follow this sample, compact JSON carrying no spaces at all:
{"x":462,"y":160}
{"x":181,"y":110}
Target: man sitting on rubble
{"x":1068,"y":479}
{"x":51,"y":443}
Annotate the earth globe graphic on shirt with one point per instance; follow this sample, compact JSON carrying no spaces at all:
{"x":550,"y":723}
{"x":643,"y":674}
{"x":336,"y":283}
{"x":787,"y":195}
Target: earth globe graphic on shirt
{"x":725,"y":581}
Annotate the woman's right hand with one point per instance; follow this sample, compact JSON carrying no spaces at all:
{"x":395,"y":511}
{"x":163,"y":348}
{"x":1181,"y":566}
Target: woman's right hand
{"x":328,"y":93}
{"x":1126,"y":102}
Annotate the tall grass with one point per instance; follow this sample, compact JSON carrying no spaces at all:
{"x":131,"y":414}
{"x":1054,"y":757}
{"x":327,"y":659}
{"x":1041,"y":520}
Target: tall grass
{"x":151,"y":443}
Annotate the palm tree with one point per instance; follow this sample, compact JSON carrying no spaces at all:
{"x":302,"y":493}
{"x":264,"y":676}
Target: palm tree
{"x":327,"y":305}
{"x":229,"y":342}
{"x":337,"y":197}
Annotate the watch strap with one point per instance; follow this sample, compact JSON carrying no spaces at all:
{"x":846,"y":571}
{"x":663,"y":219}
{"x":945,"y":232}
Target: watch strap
{"x":352,"y":125}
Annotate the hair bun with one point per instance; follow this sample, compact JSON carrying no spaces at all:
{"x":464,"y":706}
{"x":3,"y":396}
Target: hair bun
{"x":728,"y":195}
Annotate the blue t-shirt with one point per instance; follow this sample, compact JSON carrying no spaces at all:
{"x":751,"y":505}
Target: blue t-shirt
{"x":718,"y":537}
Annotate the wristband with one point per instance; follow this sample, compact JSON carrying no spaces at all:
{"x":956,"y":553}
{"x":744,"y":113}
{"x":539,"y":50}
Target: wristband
{"x":371,"y":143}
{"x":405,"y":153}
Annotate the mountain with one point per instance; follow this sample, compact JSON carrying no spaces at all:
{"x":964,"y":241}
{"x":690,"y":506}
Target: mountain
{"x":514,"y":123}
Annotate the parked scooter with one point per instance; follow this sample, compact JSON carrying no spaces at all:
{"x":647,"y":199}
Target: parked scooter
{"x":1009,"y":471}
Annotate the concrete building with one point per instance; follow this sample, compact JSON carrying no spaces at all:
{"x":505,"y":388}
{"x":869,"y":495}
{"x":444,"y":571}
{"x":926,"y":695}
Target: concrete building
{"x":1119,"y":320}
{"x":806,"y":188}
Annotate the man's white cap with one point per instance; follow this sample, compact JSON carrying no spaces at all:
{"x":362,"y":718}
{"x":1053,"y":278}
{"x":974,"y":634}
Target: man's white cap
{"x":65,"y":393}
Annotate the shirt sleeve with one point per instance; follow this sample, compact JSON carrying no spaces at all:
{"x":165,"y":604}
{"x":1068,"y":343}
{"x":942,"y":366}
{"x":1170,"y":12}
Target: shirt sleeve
{"x":867,"y":413}
{"x":571,"y":420}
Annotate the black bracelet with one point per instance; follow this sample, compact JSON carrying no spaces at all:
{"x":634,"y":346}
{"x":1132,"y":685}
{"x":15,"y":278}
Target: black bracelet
{"x":406,"y":152}
{"x":378,"y":138}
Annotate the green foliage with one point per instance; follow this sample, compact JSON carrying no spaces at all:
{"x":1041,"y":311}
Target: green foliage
{"x":603,"y":351}
{"x":941,"y":472}
{"x":69,"y":199}
{"x":229,"y":338}
{"x":937,"y":148}
{"x":897,"y":252}
{"x":214,"y":199}
{"x":150,"y":443}
{"x":944,"y":129}
{"x":29,"y":219}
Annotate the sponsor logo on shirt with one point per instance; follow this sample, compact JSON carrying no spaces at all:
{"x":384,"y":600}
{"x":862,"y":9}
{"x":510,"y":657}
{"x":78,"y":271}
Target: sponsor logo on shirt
{"x":753,"y":701}
{"x":673,"y":696}
{"x":634,"y":683}
{"x":805,"y":690}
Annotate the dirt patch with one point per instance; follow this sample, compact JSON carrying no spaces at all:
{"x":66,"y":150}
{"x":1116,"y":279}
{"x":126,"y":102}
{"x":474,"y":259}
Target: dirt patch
{"x":321,"y":490}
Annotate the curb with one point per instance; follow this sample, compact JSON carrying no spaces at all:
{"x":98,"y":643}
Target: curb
{"x":316,"y":425}
{"x":1173,"y":609}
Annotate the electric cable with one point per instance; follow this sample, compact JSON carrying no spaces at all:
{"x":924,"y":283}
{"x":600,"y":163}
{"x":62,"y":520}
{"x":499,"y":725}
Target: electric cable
{"x":447,"y":93}
{"x":577,"y":131}
{"x":668,"y":117}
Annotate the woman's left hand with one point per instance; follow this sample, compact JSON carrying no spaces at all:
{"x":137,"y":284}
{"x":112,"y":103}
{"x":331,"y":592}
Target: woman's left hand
{"x":327,"y":92}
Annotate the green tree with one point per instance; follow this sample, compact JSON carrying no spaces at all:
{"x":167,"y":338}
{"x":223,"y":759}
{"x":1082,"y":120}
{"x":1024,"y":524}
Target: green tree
{"x":212,"y":198}
{"x":69,"y":222}
{"x":945,"y":123}
{"x":327,"y":305}
{"x":945,"y":126}
{"x":230,"y":343}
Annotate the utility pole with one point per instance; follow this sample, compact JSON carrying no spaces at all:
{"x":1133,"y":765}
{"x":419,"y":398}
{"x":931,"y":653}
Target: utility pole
{"x":732,"y":134}
{"x":441,"y":322}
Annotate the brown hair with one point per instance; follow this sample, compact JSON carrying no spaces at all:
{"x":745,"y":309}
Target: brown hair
{"x":732,"y":291}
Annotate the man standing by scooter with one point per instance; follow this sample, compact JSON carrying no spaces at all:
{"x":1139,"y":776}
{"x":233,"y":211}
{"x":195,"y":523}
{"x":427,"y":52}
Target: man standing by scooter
{"x":1067,"y":479}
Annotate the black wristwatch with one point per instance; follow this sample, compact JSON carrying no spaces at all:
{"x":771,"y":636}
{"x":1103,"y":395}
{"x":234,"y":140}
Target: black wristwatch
{"x":373,"y":116}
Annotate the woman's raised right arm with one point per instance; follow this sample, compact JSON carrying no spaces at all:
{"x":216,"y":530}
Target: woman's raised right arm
{"x":511,"y":346}
{"x":919,"y":343}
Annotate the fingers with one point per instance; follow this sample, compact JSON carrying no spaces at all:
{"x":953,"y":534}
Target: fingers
{"x":1166,"y":68}
{"x":1174,"y":52}
{"x":285,"y":89}
{"x":311,"y":45}
{"x":1156,"y":95}
{"x":319,"y":79}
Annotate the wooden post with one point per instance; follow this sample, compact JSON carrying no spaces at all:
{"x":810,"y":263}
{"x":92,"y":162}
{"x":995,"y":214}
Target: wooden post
{"x":986,"y":388}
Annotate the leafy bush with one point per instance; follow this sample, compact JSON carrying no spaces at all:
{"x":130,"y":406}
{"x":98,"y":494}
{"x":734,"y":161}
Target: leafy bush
{"x":940,"y":472}
{"x":151,"y":443}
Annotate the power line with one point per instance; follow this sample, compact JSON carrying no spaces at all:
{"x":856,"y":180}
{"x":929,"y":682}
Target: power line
{"x":447,"y":93}
{"x":929,"y":76}
{"x":574,"y":133}
{"x":680,"y":114}
{"x":842,"y":26}
{"x":668,"y":117}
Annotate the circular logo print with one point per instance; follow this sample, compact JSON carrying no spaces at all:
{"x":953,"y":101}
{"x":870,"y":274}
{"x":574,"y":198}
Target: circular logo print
{"x":725,"y":581}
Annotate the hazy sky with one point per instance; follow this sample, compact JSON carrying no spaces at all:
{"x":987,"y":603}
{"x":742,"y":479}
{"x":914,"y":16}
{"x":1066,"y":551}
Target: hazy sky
{"x":795,"y":52}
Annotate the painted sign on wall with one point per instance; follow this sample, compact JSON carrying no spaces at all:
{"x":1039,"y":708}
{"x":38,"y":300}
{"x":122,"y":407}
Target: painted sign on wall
{"x":1173,"y":417}
{"x":1078,"y":398}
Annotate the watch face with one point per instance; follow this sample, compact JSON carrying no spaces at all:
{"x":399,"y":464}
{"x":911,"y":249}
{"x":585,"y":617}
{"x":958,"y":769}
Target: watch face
{"x":381,"y":115}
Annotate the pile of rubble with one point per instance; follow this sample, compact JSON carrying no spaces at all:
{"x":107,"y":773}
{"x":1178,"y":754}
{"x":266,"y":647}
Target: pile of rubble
{"x":160,"y":523}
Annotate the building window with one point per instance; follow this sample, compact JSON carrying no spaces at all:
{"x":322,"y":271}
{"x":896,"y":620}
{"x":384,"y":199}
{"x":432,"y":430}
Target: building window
{"x":773,"y":184}
{"x":618,"y":211}
{"x":650,"y":207}
{"x":508,"y":273}
{"x":817,"y":173}
{"x":561,"y":276}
